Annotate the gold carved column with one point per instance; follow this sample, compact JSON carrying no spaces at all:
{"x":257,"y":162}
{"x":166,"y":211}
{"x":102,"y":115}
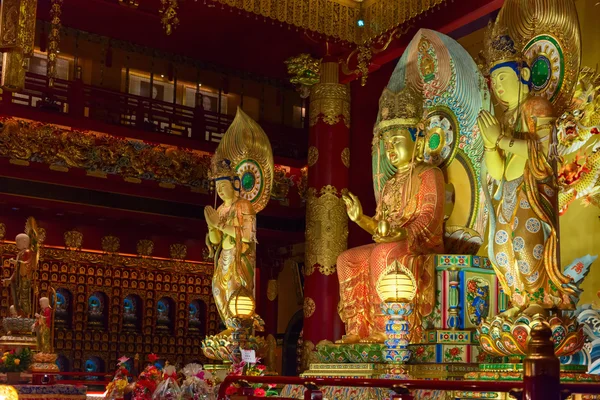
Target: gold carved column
{"x":326,"y":219}
{"x":17,"y":37}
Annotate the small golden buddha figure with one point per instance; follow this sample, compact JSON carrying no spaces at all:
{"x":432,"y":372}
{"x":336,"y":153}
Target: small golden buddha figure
{"x":20,"y":281}
{"x":523,"y":235}
{"x":232,"y":233}
{"x":43,"y":327}
{"x":407,"y":226}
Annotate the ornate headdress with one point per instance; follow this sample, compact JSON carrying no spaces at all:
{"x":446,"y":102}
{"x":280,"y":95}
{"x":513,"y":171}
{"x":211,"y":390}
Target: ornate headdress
{"x":221,"y":169}
{"x":401,"y":109}
{"x":500,"y":49}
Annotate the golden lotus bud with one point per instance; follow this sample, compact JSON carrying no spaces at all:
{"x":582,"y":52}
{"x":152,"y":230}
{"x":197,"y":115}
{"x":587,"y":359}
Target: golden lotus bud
{"x":383,"y":227}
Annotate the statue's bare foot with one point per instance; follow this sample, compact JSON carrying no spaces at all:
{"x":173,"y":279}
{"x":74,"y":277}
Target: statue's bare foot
{"x":348,"y":339}
{"x":376,"y":337}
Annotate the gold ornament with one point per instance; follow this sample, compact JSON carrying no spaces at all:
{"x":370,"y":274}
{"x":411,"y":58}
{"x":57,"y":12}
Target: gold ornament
{"x":326,"y":228}
{"x":178,"y":251}
{"x":308,"y":270}
{"x":313,"y":155}
{"x":303,"y":183}
{"x":17,"y":37}
{"x":309,"y":307}
{"x":309,"y":355}
{"x":147,"y":263}
{"x":130,"y":3}
{"x":54,"y":40}
{"x":272,"y":289}
{"x":73,"y":240}
{"x":281,"y":183}
{"x":169,"y":20}
{"x":337,"y":18}
{"x":95,"y":151}
{"x":330,"y":102}
{"x":304,"y":70}
{"x":2,"y":230}
{"x":346,"y":157}
{"x":111,"y":244}
{"x":248,"y":148}
{"x":145,"y":247}
{"x":404,"y":108}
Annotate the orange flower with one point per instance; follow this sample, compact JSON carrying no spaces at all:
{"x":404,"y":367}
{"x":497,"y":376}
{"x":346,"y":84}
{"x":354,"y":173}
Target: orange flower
{"x":17,"y":361}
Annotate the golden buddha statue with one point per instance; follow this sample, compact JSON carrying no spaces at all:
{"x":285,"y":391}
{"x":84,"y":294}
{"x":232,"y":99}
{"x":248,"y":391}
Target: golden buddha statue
{"x":232,"y":231}
{"x":408,"y":225}
{"x":25,"y":265}
{"x":242,"y":170}
{"x":523,"y":234}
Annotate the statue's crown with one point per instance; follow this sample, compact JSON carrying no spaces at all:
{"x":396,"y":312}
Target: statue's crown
{"x":499,"y":47}
{"x":404,"y":108}
{"x":221,"y":168}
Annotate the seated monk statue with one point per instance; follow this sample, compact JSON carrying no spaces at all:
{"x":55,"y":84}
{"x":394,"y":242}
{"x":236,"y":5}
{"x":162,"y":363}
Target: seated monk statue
{"x":408,"y":225}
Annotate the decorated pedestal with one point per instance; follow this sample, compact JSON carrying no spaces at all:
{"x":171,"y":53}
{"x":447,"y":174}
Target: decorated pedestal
{"x":504,"y":336}
{"x":18,"y":333}
{"x":44,"y":362}
{"x":468,"y":291}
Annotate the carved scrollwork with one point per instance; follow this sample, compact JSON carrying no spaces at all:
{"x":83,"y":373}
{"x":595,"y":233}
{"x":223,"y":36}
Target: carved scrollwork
{"x":272,"y":289}
{"x":346,"y":157}
{"x":111,"y":244}
{"x":330,"y":102}
{"x":73,"y":240}
{"x":313,"y":156}
{"x":178,"y":251}
{"x":309,"y":307}
{"x":145,"y":247}
{"x":326,"y":228}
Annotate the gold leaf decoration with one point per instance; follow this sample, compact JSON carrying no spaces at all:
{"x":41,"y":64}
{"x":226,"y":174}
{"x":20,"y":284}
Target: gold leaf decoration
{"x":308,"y":269}
{"x":145,"y":247}
{"x":326,"y":228}
{"x":73,"y":240}
{"x":178,"y":251}
{"x":330,"y":102}
{"x":309,"y":307}
{"x":346,"y":157}
{"x":2,"y":231}
{"x":111,"y":244}
{"x":337,"y":18}
{"x":313,"y":155}
{"x":93,"y":151}
{"x":272,"y":289}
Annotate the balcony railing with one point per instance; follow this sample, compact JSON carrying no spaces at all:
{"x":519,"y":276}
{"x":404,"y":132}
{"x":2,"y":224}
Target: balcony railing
{"x":84,"y":102}
{"x":536,"y":388}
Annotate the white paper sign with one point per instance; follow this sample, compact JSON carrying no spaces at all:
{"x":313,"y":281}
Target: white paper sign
{"x":249,"y":356}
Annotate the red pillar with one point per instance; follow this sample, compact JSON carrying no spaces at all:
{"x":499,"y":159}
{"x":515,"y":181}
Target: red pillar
{"x":326,"y":219}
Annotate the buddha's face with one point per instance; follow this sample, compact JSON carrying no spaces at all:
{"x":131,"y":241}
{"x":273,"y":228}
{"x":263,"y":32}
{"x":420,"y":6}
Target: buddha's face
{"x":507,"y":85}
{"x":225,"y":189}
{"x":399,"y":146}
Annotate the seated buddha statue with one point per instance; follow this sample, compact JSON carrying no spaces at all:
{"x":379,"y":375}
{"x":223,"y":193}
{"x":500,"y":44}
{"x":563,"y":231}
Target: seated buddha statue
{"x":523,"y":228}
{"x":408,"y":225}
